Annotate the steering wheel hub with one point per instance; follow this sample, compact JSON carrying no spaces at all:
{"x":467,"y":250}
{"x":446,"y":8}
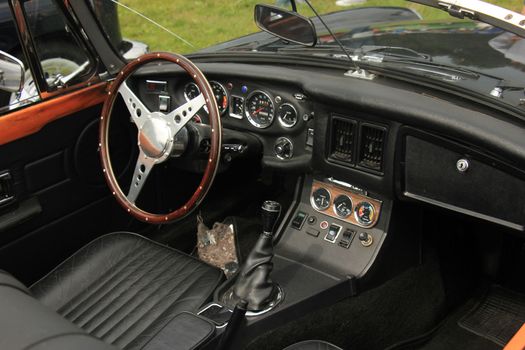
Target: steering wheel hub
{"x":155,"y":138}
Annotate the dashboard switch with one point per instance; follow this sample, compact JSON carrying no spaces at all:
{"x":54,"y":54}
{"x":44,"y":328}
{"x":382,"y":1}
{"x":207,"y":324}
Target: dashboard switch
{"x":344,"y":243}
{"x":298,"y":220}
{"x":323,"y":225}
{"x":333,"y":232}
{"x":312,"y":232}
{"x":164,"y":103}
{"x":349,"y":234}
{"x":310,"y":137}
{"x":312,"y":220}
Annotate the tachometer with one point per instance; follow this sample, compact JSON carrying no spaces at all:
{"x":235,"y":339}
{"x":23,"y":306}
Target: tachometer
{"x":259,"y":109}
{"x":191,"y":90}
{"x":220,"y":95}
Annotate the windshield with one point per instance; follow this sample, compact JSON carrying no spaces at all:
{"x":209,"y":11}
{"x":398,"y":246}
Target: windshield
{"x":371,"y":28}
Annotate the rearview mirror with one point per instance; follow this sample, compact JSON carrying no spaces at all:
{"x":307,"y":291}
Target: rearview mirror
{"x":285,"y":24}
{"x":11,"y":73}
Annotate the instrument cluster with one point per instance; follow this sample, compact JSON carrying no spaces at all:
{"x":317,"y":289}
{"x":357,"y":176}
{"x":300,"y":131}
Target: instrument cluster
{"x":259,"y":107}
{"x":347,"y":205}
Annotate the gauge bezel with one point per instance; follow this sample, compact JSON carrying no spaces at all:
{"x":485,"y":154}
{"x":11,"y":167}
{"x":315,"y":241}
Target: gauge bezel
{"x":358,"y":219}
{"x":225,"y":94}
{"x":282,"y":122}
{"x":351,"y":206}
{"x":247,"y":113}
{"x":186,"y":97}
{"x":312,"y":201}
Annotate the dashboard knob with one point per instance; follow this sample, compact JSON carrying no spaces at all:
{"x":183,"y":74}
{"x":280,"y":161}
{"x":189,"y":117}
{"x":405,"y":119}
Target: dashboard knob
{"x":283,"y":148}
{"x":365,"y":239}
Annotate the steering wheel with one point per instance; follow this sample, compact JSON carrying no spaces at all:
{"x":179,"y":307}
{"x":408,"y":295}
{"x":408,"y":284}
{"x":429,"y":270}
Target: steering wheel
{"x":158,"y":136}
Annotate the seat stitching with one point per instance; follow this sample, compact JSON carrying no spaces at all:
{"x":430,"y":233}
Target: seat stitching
{"x":111,"y":290}
{"x":84,"y":295}
{"x":168,"y":309}
{"x":102,"y":320}
{"x":107,"y":285}
{"x":184,"y":278}
{"x":140,"y":302}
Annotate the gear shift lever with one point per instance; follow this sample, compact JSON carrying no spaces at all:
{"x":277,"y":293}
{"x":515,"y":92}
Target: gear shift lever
{"x":271,"y":211}
{"x":253,"y":282}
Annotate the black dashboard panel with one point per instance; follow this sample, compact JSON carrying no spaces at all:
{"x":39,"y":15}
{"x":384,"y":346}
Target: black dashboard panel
{"x":437,"y":172}
{"x":384,"y":104}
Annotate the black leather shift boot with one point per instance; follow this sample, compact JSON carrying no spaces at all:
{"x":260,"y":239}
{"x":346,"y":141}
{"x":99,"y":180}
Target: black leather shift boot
{"x":254,"y":284}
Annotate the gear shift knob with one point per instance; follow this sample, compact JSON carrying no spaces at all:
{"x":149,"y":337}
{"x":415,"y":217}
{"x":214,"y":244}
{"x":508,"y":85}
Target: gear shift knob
{"x":271,"y":211}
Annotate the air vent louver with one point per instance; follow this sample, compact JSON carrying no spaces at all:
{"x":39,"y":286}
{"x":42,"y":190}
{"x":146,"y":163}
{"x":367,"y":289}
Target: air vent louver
{"x":343,"y":140}
{"x":371,"y":147}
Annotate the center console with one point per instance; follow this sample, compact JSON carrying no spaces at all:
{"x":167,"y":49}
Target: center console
{"x":336,"y":228}
{"x":327,"y":240}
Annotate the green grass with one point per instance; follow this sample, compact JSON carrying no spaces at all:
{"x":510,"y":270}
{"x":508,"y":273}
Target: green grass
{"x":207,"y":22}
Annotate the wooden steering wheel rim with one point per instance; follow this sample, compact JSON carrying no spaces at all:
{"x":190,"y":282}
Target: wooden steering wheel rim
{"x":215,"y":149}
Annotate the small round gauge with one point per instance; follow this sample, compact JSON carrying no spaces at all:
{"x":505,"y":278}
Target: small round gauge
{"x":343,"y":206}
{"x":365,"y":213}
{"x":191,"y":90}
{"x":321,"y":198}
{"x":287,"y":115}
{"x":221,"y":96}
{"x":259,"y":109}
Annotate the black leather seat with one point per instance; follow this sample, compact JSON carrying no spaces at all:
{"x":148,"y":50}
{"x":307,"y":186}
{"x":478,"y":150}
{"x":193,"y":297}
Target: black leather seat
{"x":122,"y":288}
{"x":312,"y":345}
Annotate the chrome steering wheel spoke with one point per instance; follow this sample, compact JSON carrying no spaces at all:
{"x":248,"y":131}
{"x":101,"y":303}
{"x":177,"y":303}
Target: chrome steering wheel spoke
{"x":178,"y":118}
{"x":139,"y":112}
{"x":140,"y":175}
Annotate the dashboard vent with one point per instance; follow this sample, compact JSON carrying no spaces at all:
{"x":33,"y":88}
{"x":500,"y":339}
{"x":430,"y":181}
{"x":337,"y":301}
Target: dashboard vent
{"x":343,"y":140}
{"x":371,"y":146}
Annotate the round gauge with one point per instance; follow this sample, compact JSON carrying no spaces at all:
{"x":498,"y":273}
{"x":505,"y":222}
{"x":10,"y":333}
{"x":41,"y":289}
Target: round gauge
{"x":259,"y":109}
{"x":321,"y":199}
{"x":221,"y":96}
{"x":365,"y":213}
{"x":287,"y":115}
{"x":191,"y":90}
{"x":343,"y":206}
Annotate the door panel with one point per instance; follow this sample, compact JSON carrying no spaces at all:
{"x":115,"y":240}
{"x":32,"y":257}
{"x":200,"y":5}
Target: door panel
{"x":55,"y":176}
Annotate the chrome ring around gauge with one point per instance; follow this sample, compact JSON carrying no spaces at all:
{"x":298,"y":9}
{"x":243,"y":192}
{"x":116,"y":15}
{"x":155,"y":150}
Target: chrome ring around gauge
{"x":290,"y":115}
{"x":365,"y":213}
{"x":342,"y":206}
{"x":259,"y":109}
{"x":321,"y":199}
{"x":191,"y":90}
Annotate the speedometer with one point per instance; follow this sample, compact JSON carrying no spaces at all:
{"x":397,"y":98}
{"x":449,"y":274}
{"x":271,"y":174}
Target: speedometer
{"x":259,"y":109}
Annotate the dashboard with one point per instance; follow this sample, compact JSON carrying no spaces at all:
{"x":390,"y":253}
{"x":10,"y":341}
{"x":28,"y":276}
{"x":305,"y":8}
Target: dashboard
{"x":393,"y":140}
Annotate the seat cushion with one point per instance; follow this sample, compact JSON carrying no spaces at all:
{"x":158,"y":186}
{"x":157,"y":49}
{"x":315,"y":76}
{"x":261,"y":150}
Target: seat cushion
{"x":122,"y":288}
{"x":312,"y":345}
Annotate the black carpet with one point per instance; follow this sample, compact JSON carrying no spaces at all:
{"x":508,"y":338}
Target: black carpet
{"x":405,"y":306}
